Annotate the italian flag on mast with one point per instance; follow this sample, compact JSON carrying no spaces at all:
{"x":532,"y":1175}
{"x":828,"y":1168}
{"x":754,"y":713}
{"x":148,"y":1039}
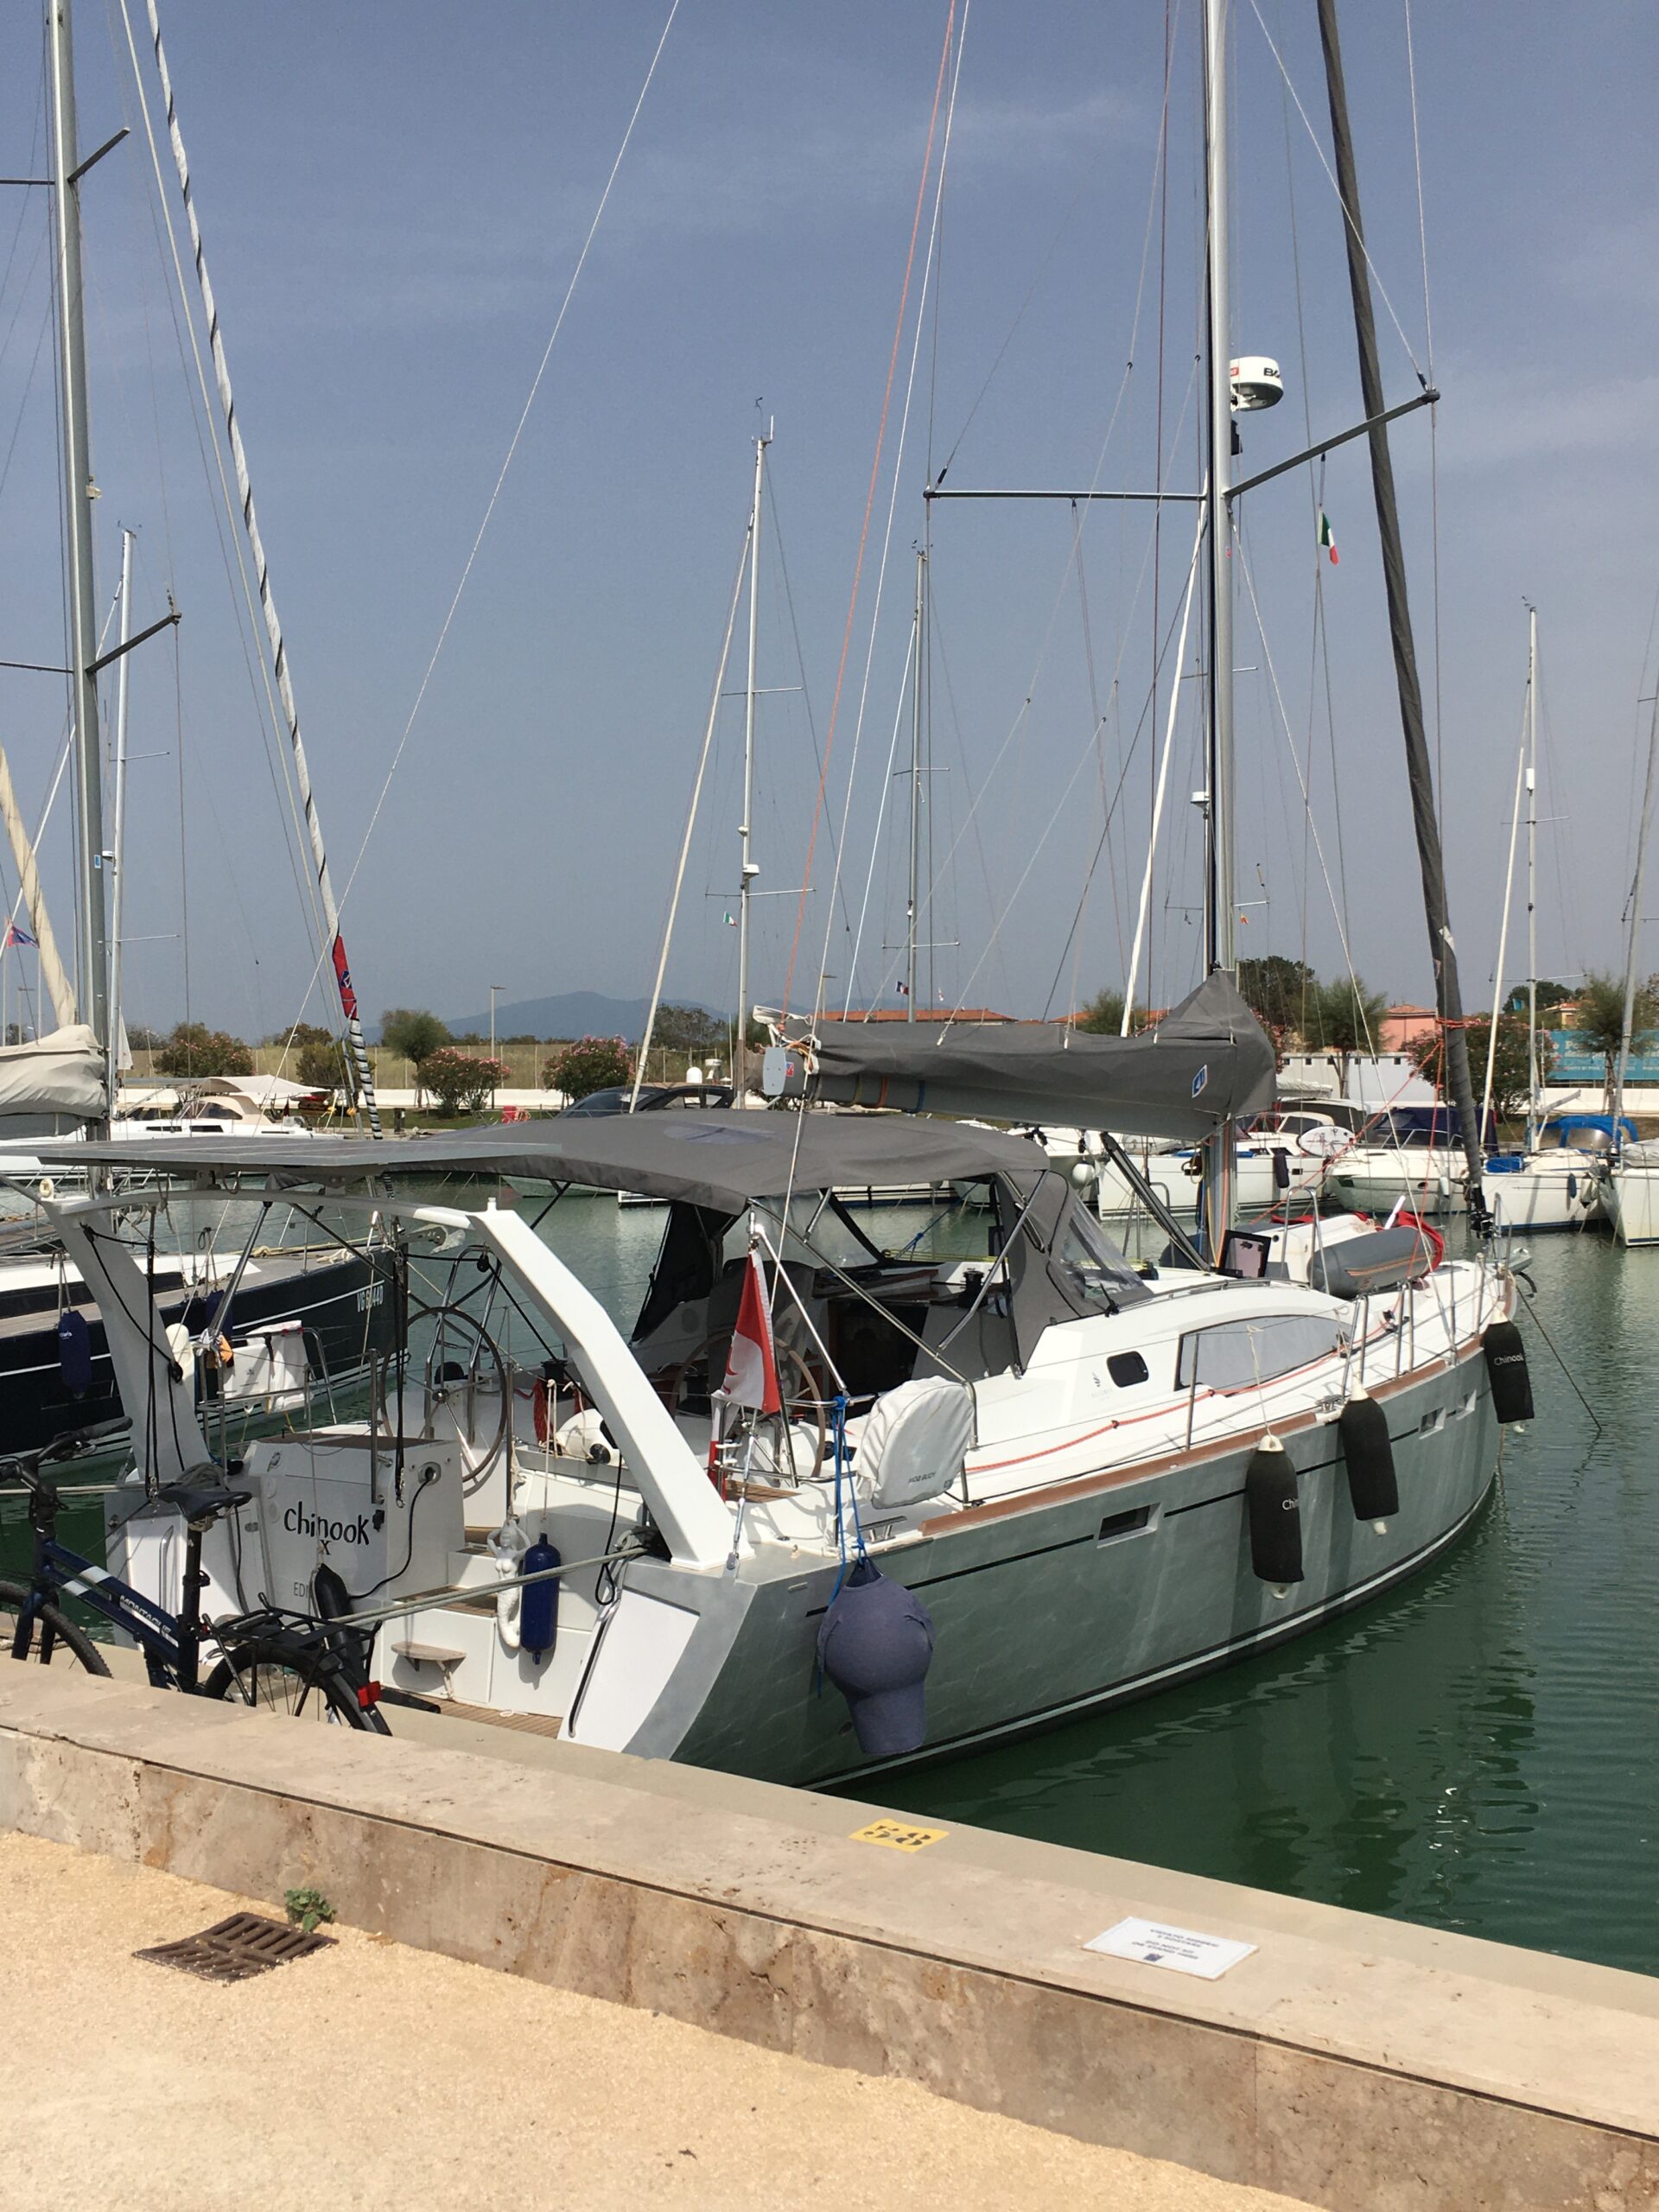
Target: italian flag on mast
{"x":1327,"y":537}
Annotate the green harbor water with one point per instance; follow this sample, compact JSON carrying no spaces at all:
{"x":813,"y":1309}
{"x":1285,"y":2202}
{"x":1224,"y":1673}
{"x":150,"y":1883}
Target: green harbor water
{"x":1476,"y":1751}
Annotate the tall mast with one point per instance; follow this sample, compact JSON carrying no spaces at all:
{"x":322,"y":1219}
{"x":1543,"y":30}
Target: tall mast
{"x":1633,"y":943}
{"x":92,"y":936}
{"x":1448,"y":996}
{"x":1532,"y":865}
{"x":119,"y":862}
{"x":748,"y":870}
{"x":917,"y":699}
{"x":1219,"y":909}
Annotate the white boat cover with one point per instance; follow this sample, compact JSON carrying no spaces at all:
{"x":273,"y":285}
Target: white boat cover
{"x":63,"y":1073}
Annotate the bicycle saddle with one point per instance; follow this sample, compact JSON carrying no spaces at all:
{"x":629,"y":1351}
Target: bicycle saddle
{"x":200,"y":1500}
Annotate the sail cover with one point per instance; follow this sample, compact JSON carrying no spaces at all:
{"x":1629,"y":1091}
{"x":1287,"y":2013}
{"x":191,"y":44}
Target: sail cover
{"x":59,"y":1074}
{"x":1207,"y":1061}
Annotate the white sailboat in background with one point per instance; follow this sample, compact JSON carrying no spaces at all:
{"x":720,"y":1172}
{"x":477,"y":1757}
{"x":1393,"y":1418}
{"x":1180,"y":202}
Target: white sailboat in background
{"x":1554,"y":1180}
{"x":1629,"y":1193}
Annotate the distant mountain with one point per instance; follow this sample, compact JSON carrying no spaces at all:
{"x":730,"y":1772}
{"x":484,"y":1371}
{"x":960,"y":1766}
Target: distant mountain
{"x":573,"y":1014}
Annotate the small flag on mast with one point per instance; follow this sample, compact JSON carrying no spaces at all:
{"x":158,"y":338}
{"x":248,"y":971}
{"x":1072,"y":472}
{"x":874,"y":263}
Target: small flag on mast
{"x":751,"y":1366}
{"x":730,"y":920}
{"x":16,"y":936}
{"x":1327,"y":537}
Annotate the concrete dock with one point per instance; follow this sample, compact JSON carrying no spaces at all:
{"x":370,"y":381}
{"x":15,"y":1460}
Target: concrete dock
{"x":1344,"y":2062}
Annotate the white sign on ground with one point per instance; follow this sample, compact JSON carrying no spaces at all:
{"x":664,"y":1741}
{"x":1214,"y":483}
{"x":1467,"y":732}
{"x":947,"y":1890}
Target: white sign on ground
{"x":1179,"y":1948}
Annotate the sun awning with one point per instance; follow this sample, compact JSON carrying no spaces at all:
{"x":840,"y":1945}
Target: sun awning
{"x":717,"y":1157}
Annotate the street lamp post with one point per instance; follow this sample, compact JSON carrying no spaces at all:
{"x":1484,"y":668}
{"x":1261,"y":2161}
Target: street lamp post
{"x":495,"y":989}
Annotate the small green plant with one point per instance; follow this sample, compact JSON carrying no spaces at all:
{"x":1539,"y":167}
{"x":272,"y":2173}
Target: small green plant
{"x":308,"y":1907}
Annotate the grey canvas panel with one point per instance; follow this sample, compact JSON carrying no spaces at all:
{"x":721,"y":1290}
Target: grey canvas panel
{"x":1208,"y":1061}
{"x":714,"y":1157}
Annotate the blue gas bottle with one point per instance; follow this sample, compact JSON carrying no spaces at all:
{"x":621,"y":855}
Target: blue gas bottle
{"x":539,"y":1602}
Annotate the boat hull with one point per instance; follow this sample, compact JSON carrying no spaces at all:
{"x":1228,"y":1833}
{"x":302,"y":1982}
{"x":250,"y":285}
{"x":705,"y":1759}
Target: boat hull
{"x":1054,"y":1606}
{"x":1544,"y":1195}
{"x":1630,"y":1202}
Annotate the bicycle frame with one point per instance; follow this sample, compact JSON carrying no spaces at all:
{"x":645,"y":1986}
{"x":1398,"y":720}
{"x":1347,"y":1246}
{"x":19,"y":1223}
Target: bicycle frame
{"x":171,"y":1642}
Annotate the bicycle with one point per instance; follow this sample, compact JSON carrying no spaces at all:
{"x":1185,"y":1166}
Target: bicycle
{"x":276,"y":1661}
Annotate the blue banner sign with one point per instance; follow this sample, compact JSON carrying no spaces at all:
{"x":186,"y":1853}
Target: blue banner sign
{"x":1573,"y":1063}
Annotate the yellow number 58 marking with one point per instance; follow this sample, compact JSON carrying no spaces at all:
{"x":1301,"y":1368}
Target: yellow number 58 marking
{"x":898,"y":1836}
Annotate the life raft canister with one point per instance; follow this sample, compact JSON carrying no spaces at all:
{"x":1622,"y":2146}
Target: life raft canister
{"x":1368,"y":1454}
{"x":1506,"y":1368}
{"x":1273,"y":1507}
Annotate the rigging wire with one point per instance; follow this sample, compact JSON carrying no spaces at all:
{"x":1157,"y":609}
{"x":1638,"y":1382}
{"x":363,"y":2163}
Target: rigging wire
{"x":1433,"y":417}
{"x":512,"y":445}
{"x":875,"y":477}
{"x":1331,"y":173}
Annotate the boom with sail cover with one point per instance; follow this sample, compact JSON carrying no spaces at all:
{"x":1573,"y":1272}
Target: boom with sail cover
{"x":1205,"y":1064}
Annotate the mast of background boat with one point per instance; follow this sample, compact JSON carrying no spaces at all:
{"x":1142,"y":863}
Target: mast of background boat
{"x":92,"y":935}
{"x":118,"y":855}
{"x":1448,"y":997}
{"x":748,"y":870}
{"x":355,"y":1046}
{"x":917,"y":701}
{"x":1219,"y":912}
{"x":1633,"y":943}
{"x":1532,"y":876}
{"x":1503,"y":922}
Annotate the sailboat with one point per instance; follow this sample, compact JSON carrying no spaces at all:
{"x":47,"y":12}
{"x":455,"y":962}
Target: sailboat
{"x":831,"y":1504}
{"x":1554,"y":1180}
{"x":1630,"y":1190}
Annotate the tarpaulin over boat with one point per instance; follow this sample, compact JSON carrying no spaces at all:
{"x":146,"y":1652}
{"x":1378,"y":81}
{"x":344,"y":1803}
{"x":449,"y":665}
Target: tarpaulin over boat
{"x":1209,"y":1060}
{"x":63,"y":1073}
{"x":719,"y":1157}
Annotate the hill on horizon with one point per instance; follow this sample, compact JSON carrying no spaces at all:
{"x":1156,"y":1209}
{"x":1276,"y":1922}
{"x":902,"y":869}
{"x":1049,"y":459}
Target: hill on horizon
{"x":569,"y":1014}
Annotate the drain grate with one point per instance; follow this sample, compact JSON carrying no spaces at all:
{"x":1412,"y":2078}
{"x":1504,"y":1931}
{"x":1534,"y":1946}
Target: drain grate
{"x":244,"y":1945}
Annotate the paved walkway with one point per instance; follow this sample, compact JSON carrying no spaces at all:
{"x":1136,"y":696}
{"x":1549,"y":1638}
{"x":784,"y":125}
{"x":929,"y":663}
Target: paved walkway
{"x":370,"y":2076}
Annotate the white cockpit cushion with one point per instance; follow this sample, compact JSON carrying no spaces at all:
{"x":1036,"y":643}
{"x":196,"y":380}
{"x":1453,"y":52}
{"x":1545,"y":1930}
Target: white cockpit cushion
{"x":915,"y":1440}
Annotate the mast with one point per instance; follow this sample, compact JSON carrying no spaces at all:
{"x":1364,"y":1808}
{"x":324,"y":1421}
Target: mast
{"x":1633,"y":942}
{"x":336,"y":945}
{"x":119,"y":860}
{"x":917,"y":698}
{"x":1532,"y":867}
{"x":1219,"y":914}
{"x":91,"y":947}
{"x":1448,"y":996}
{"x":748,"y":870}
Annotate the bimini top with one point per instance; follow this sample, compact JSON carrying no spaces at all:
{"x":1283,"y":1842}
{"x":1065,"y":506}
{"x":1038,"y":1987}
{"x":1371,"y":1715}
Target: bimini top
{"x":717,"y":1156}
{"x":1207,"y":1061}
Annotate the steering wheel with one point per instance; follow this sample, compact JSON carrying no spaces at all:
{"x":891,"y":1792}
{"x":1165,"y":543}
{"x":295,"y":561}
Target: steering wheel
{"x":447,"y":1318}
{"x":774,"y":1433}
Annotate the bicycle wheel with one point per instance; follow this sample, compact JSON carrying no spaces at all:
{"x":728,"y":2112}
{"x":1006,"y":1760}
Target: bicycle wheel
{"x":268,"y":1680}
{"x":54,"y":1635}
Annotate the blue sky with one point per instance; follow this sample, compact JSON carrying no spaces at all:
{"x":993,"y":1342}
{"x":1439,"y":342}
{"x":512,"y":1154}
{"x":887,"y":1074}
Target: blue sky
{"x":393,"y":201}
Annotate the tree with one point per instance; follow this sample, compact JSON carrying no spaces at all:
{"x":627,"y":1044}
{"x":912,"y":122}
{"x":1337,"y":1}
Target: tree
{"x":323,"y":1063}
{"x":1343,"y":1017}
{"x":142,"y":1039}
{"x":414,"y":1035}
{"x":193,"y":1049}
{"x":689,"y":1029}
{"x":591,"y":1063}
{"x":1550,"y":995}
{"x":1599,"y":1018}
{"x":1510,"y":1077}
{"x":461,"y":1082}
{"x":1103,"y":1015}
{"x":1277,"y":991}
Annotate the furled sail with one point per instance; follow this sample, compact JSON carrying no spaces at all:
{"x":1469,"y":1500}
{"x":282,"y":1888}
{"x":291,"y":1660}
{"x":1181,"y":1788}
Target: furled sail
{"x":1207,"y":1061}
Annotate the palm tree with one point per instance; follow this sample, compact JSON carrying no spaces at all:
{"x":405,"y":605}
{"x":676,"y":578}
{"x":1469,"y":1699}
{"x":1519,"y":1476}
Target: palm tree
{"x":1598,"y":1018}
